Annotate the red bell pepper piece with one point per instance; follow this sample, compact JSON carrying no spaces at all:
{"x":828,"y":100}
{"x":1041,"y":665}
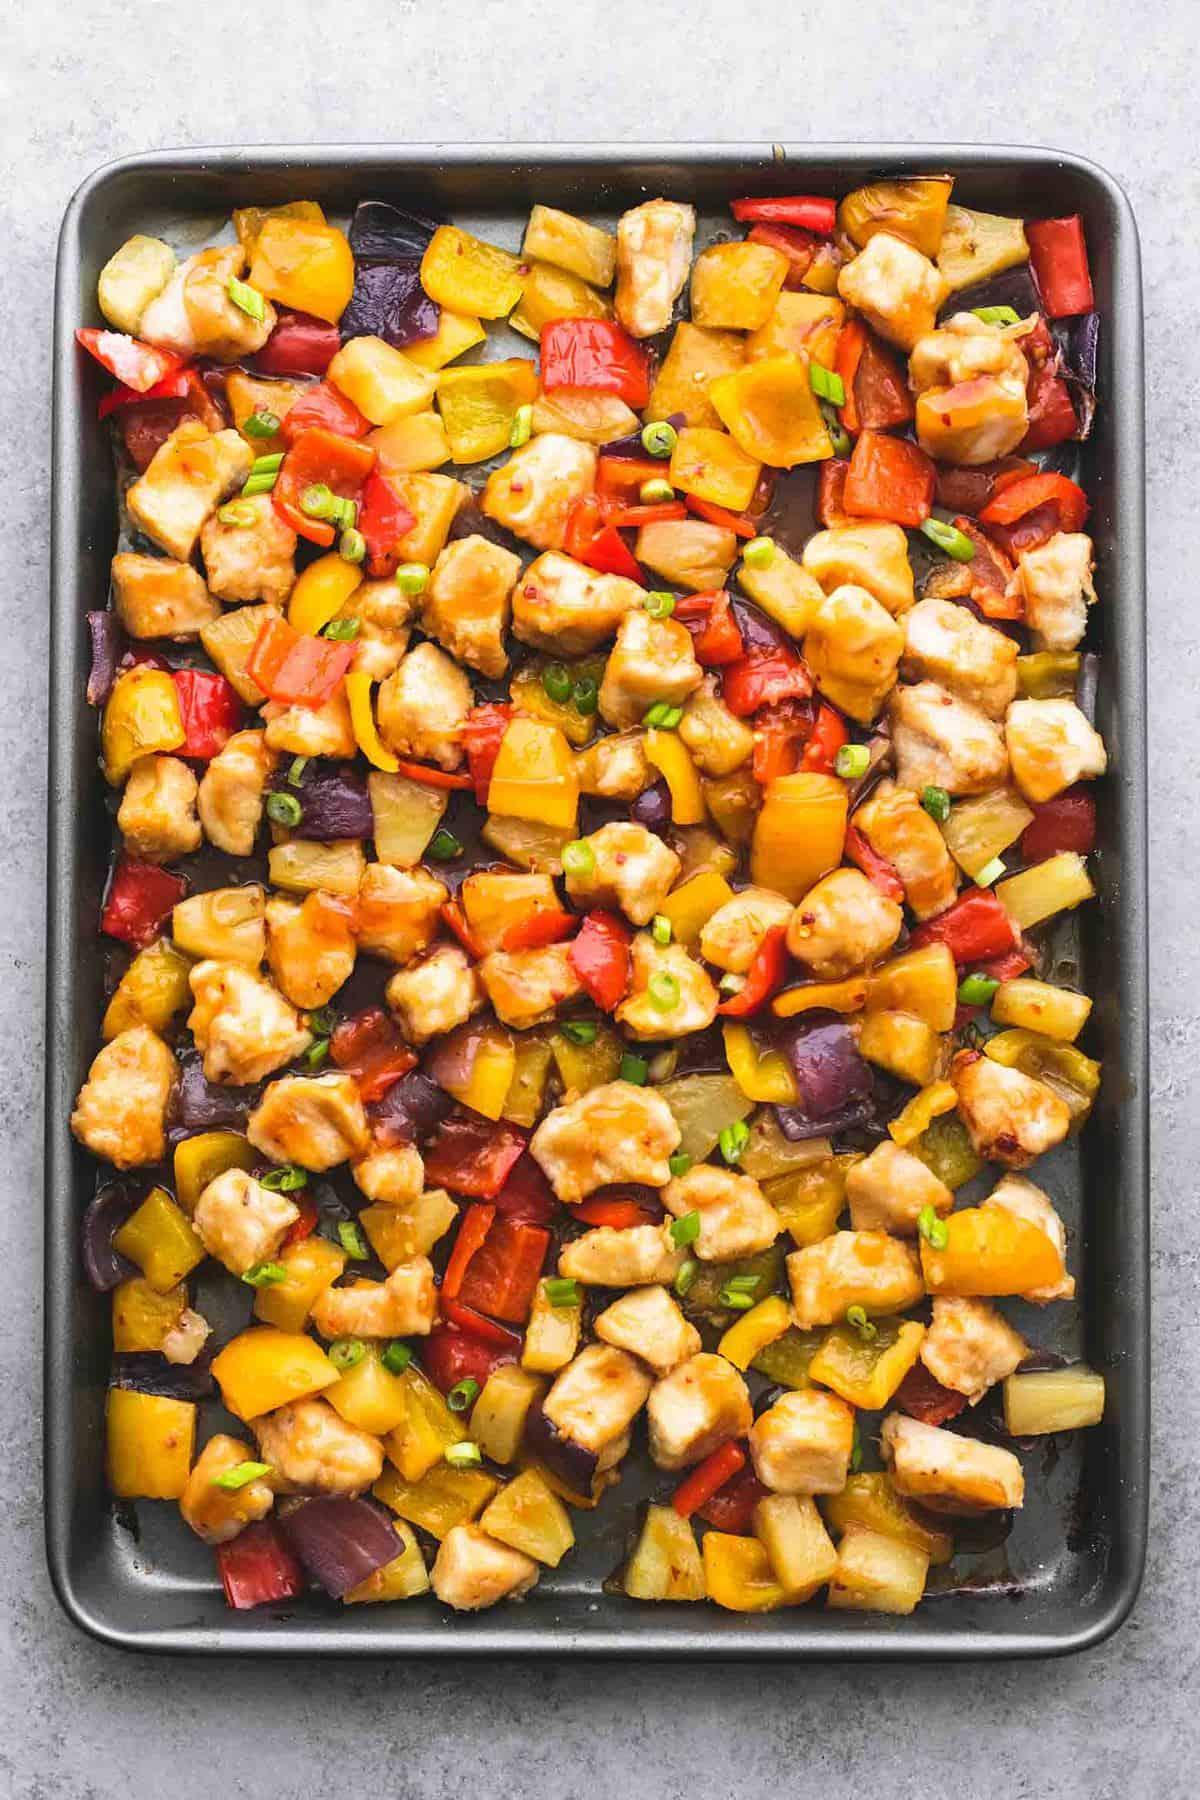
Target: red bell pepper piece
{"x":1006,"y":967}
{"x":476,"y":1223}
{"x":810,"y":212}
{"x":731,"y":1508}
{"x":258,"y":1567}
{"x":134,"y":364}
{"x":889,"y":478}
{"x":923,"y":1397}
{"x":738,"y":523}
{"x":831,"y":492}
{"x":990,"y":572}
{"x":631,"y":517}
{"x":613,"y":1211}
{"x":600,"y":957}
{"x":449,"y":1356}
{"x":707,"y":1477}
{"x":976,"y":927}
{"x":299,"y":345}
{"x":781,"y":734}
{"x":877,"y":394}
{"x":295,"y":669}
{"x":716,"y":639}
{"x":1027,"y":513}
{"x":483,"y":733}
{"x":455,"y":919}
{"x":326,"y":407}
{"x":764,"y":977}
{"x":467,"y":1319}
{"x":473,"y":1156}
{"x":140,"y":899}
{"x":621,"y":477}
{"x":503,"y":1274}
{"x":177,"y":384}
{"x":797,"y":245}
{"x":429,"y":776}
{"x":1058,"y":253}
{"x":369,"y":1047}
{"x":319,"y":458}
{"x":597,"y":354}
{"x":305,"y":1225}
{"x":210,"y":710}
{"x":1052,"y":417}
{"x":527,"y":1194}
{"x":591,"y":538}
{"x":763,"y":677}
{"x":877,"y":869}
{"x":1068,"y":822}
{"x":828,"y":735}
{"x":383,"y":519}
{"x":962,"y":490}
{"x":550,"y":926}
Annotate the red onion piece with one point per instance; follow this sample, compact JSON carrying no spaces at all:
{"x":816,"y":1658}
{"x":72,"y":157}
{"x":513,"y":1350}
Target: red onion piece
{"x":340,"y":1542}
{"x":104,"y":629}
{"x":105,"y":1267}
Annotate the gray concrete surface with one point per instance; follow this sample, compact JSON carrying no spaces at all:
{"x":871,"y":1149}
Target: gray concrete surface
{"x":89,"y":80}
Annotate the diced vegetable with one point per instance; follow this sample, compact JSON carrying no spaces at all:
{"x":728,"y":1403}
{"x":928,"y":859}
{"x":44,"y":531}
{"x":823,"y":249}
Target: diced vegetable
{"x":913,"y":209}
{"x":665,"y":1564}
{"x":479,"y":403}
{"x":530,"y":1517}
{"x":263,"y":1368}
{"x":871,"y":1500}
{"x":1053,"y":886}
{"x":148,"y":1444}
{"x":773,"y":413}
{"x":738,"y":1574}
{"x":469,"y":276}
{"x":799,"y":834}
{"x":1049,"y":1400}
{"x":866,"y":1370}
{"x":440,"y":1499}
{"x":877,"y":1574}
{"x":798,"y":1547}
{"x":983,"y":827}
{"x":160,"y":1240}
{"x":1037,"y":1006}
{"x":303,"y":265}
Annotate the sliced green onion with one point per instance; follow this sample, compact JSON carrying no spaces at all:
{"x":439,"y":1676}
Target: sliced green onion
{"x":444,"y":846}
{"x":738,"y":1292}
{"x":258,"y":484}
{"x":352,"y":1240}
{"x":522,"y":427}
{"x":634,"y":1068}
{"x":935,"y":1231}
{"x":317,"y":1054}
{"x":285,"y":1180}
{"x":323,"y":1020}
{"x":412,"y":578}
{"x":241,"y":1475}
{"x":976,"y":990}
{"x":352,"y":546}
{"x":949,"y":538}
{"x":997,"y":315}
{"x":267,"y":465}
{"x":759,"y":553}
{"x":296,"y":773}
{"x":851,"y":761}
{"x":585,"y":695}
{"x":264,"y":1274}
{"x":662,"y":716}
{"x":464,"y":1456}
{"x":839,"y":437}
{"x":237,"y":512}
{"x":346,"y":1353}
{"x":936,"y":802}
{"x":397,"y":1356}
{"x":247,"y":299}
{"x":654,"y":493}
{"x":659,"y":604}
{"x":463,"y":1394}
{"x":990,"y":873}
{"x":660,"y":928}
{"x":261,"y":424}
{"x":688,"y":1272}
{"x":344,"y":514}
{"x":679,"y":1163}
{"x":686,"y":1230}
{"x":731,"y":983}
{"x":663,"y":991}
{"x":578,"y":858}
{"x":856,"y":1451}
{"x":826,"y":385}
{"x":284,"y":809}
{"x":579,"y":1031}
{"x":562,"y":1290}
{"x":556,"y":683}
{"x":664,"y":1064}
{"x":733,"y":1140}
{"x":659,"y":439}
{"x":856,"y":1318}
{"x":342,"y":631}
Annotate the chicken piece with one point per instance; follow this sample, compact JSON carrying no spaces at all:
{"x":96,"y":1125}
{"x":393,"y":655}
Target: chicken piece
{"x":316,"y":1121}
{"x":533,"y":492}
{"x":1055,"y":583}
{"x":394,"y":1175}
{"x":615,"y":766}
{"x":250,"y":562}
{"x":311,"y":947}
{"x":632,"y":870}
{"x":889,"y":1189}
{"x":422,"y":707}
{"x":188,"y":477}
{"x":597,"y":1396}
{"x":736,"y":1218}
{"x":649,"y":1324}
{"x":970,"y":379}
{"x":468,"y":602}
{"x":385,"y":617}
{"x":654,"y":255}
{"x":323,"y":730}
{"x":526,"y":986}
{"x":866,"y":553}
{"x":217,"y":1514}
{"x":897,"y":290}
{"x":1051,"y":745}
{"x":802,"y":1444}
{"x":652,"y":661}
{"x":402,"y":1306}
{"x":434,"y":995}
{"x":842,"y":925}
{"x":563,"y":606}
{"x":939,"y":741}
{"x":186,"y":1338}
{"x":121,"y":1111}
{"x":243,"y":1026}
{"x":156,"y":597}
{"x":947,"y":644}
{"x":233,"y":790}
{"x":615,"y":1132}
{"x":219,"y":327}
{"x":853,"y":1268}
{"x":472,"y":1570}
{"x":1025,"y":1200}
{"x":315,"y":1450}
{"x":165,"y":322}
{"x":948,"y":1473}
{"x":399,"y":911}
{"x":717,"y":740}
{"x":969,"y":1346}
{"x":671,"y":993}
{"x":241,"y":1222}
{"x":1011,"y":1117}
{"x":629,"y":1256}
{"x":699,"y":1405}
{"x":898,"y":828}
{"x":853,"y":647}
{"x":732,"y":936}
{"x":157,"y":816}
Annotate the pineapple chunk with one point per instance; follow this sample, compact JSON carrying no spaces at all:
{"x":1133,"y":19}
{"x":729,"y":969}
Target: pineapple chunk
{"x":800,"y":1550}
{"x":1053,"y":1400}
{"x":498,"y":1421}
{"x":877,"y":1574}
{"x":666,"y":1563}
{"x":528,"y":1517}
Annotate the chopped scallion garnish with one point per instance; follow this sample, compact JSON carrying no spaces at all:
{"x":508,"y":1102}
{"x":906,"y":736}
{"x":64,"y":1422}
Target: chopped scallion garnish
{"x":659,"y":603}
{"x":562,"y":1290}
{"x":397,"y":1356}
{"x":247,"y":299}
{"x":935,"y":1231}
{"x":444,"y":846}
{"x":241,"y":1475}
{"x":556,"y":683}
{"x":759,"y":553}
{"x":990,"y":873}
{"x":352,"y":1241}
{"x":264,"y":1274}
{"x":852,"y":761}
{"x":579,"y":1031}
{"x":856,"y":1318}
{"x":261,"y":424}
{"x":659,"y":439}
{"x":522,"y":427}
{"x":976,"y":990}
{"x":578,"y":858}
{"x":663,"y":991}
{"x":936,"y":802}
{"x":464,"y":1456}
{"x":346,"y":1353}
{"x":634,"y":1069}
{"x":686,"y":1230}
{"x":463,"y":1394}
{"x":949,"y":538}
{"x":660,"y":929}
{"x":656,"y":492}
{"x":733,"y":1140}
{"x":412,"y":578}
{"x":352,"y":546}
{"x":826,"y":385}
{"x":284,"y":809}
{"x":997,"y":315}
{"x":679,"y":1163}
{"x":286,"y":1179}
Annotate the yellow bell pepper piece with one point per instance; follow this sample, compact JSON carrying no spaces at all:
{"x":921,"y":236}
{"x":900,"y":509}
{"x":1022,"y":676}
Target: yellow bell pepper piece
{"x":771,"y":410}
{"x":900,"y":1043}
{"x":401,"y":1579}
{"x":263,"y":1368}
{"x":305,"y":265}
{"x":810,"y":1201}
{"x":825,"y":996}
{"x":735,"y":285}
{"x":485,"y":1088}
{"x":754,"y":1331}
{"x":248,"y":221}
{"x":370,"y":1396}
{"x":523,"y":1101}
{"x":362,"y":721}
{"x":410,"y":445}
{"x":469,"y":276}
{"x":738,"y":1574}
{"x":142,"y":1317}
{"x":152,"y":990}
{"x":767,"y":1078}
{"x":867,"y":1372}
{"x":551,"y":293}
{"x":710,"y":465}
{"x":159,"y":1239}
{"x":479,"y":403}
{"x":442,"y":1498}
{"x":321,"y":591}
{"x":456,"y":333}
{"x":923,"y":982}
{"x":692,"y":904}
{"x":800,"y":324}
{"x":586,"y":1066}
{"x":534,"y":775}
{"x":799,"y":832}
{"x":200,"y":1159}
{"x":666,"y":750}
{"x":989,"y":1253}
{"x":939,"y":1097}
{"x":311,"y":1266}
{"x":148,"y":1443}
{"x":141,"y":718}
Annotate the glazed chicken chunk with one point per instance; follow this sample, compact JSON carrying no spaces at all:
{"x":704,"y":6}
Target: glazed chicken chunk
{"x":597,"y":1396}
{"x":157,"y":817}
{"x":852,"y":647}
{"x":526,"y":987}
{"x":629,"y":1256}
{"x":852,"y":1268}
{"x":435,"y":994}
{"x":243,"y":1026}
{"x":654,"y":254}
{"x":889,"y":1189}
{"x":323,"y":730}
{"x":897,"y":290}
{"x":473,"y":1570}
{"x":616,"y":1132}
{"x":156,"y":597}
{"x":1055,"y":582}
{"x":250,"y":562}
{"x":843,"y":924}
{"x":895,"y":824}
{"x":697,"y":1406}
{"x":233,"y":790}
{"x":399,"y":911}
{"x":1051,"y":746}
{"x":422,"y":707}
{"x":1012,"y":1118}
{"x":468,"y":602}
{"x":970,"y":379}
{"x":717,"y":740}
{"x":536,"y":488}
{"x":802,"y":1444}
{"x":947,"y":644}
{"x":241,"y":1222}
{"x":316,"y":1450}
{"x":187,"y":479}
{"x":671,"y":992}
{"x":948,"y":1473}
{"x":560,"y":605}
{"x":218,"y":1514}
{"x":393,"y":1174}
{"x":311,"y":947}
{"x":120,"y":1115}
{"x":970,"y":1346}
{"x":652,"y":662}
{"x":941,"y":741}
{"x":316,"y":1121}
{"x":385,"y":615}
{"x":735,"y":1217}
{"x":649,"y":1324}
{"x":731,"y":938}
{"x":402,"y":1306}
{"x":632,"y":870}
{"x":865,"y":553}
